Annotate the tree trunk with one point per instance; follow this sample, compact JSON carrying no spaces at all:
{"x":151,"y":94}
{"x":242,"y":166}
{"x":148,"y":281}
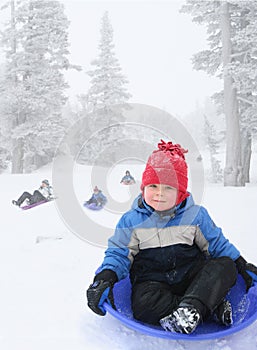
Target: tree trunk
{"x":246,"y":154}
{"x":14,"y":44}
{"x":233,"y":175}
{"x":18,"y":156}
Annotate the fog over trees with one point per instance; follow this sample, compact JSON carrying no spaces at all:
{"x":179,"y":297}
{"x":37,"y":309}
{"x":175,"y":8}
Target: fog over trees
{"x":35,"y":111}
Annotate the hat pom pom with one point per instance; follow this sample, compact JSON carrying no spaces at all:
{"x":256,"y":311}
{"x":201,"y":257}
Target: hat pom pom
{"x":174,"y":149}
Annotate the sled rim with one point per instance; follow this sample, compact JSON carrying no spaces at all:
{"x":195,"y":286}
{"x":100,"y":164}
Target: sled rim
{"x":144,"y":328}
{"x":95,"y":208}
{"x":161,"y":333}
{"x":29,"y":206}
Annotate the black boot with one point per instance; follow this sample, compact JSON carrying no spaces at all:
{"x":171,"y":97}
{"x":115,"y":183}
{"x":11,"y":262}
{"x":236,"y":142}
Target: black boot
{"x":223,"y":313}
{"x":184,"y":319}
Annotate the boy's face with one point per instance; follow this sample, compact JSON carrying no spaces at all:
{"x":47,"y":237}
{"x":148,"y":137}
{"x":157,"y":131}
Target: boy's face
{"x":160,"y":197}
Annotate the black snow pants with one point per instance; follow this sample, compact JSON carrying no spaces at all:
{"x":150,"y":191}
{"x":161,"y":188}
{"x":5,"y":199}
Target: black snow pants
{"x":204,"y":288}
{"x":33,"y":198}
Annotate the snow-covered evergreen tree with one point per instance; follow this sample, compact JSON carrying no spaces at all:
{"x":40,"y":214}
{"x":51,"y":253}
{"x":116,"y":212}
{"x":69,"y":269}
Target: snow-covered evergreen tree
{"x":36,"y":44}
{"x":4,"y":150}
{"x":213,"y":147}
{"x":232,"y":36}
{"x":107,"y":90}
{"x":4,"y":132}
{"x":244,"y":72}
{"x":108,"y":84}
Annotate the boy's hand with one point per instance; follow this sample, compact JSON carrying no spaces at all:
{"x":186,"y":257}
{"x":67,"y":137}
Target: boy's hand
{"x":247,"y":270}
{"x":101,"y":290}
{"x":98,"y":293}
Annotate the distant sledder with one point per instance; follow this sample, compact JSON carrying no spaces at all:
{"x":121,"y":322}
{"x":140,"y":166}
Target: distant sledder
{"x":128,"y":179}
{"x":97,"y":200}
{"x":41,"y":195}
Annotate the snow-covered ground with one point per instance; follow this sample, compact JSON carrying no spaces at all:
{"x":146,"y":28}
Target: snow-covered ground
{"x":46,"y":269}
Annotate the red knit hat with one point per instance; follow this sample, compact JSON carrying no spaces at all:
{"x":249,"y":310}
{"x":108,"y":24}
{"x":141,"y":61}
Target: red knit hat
{"x":167,"y":166}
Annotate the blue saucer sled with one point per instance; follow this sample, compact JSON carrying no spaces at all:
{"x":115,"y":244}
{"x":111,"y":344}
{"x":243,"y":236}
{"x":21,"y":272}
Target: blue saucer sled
{"x":93,"y":206}
{"x":244,"y":313}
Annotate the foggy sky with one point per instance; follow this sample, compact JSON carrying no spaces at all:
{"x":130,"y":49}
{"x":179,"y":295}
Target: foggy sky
{"x":154,"y":44}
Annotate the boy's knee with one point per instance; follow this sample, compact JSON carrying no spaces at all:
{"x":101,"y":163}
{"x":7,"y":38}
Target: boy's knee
{"x":227,"y":262}
{"x":144,"y":301}
{"x":143,"y":308}
{"x":228,"y":266}
{"x":148,"y":302}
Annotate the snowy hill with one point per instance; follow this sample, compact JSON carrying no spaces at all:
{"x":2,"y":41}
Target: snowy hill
{"x":45,"y":270}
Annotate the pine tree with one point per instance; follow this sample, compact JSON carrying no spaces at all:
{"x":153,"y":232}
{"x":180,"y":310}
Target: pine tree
{"x":213,"y":146}
{"x":107,"y":96}
{"x":36,"y":43}
{"x":232,"y":36}
{"x":4,"y":132}
{"x":244,"y":72}
{"x":4,"y":148}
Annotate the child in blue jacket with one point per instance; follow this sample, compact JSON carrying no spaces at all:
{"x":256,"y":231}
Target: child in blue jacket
{"x":180,"y":264}
{"x":98,"y":198}
{"x":128,"y":179}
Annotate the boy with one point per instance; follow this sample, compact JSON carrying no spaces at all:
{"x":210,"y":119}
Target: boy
{"x":44,"y":193}
{"x":128,"y":179}
{"x":181,"y":266}
{"x":98,"y":198}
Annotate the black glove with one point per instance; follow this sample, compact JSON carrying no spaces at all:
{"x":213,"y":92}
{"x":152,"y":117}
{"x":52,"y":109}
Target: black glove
{"x":101,"y":290}
{"x":247,"y":270}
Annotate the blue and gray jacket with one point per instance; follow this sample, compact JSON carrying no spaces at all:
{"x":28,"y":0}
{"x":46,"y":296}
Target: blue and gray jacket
{"x":98,"y":198}
{"x":164,"y":246}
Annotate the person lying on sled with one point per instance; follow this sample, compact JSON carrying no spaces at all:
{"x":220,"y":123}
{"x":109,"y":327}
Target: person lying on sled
{"x":128,"y":179}
{"x":98,"y":198}
{"x":180,"y":264}
{"x":44,"y":193}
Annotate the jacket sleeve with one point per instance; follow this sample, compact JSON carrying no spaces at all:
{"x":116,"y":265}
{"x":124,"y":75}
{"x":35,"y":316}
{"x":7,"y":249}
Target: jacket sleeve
{"x":211,"y":240}
{"x":122,"y":247}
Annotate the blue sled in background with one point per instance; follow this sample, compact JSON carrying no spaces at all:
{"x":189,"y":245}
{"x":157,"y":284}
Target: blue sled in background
{"x":92,"y":206}
{"x":244,"y":313}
